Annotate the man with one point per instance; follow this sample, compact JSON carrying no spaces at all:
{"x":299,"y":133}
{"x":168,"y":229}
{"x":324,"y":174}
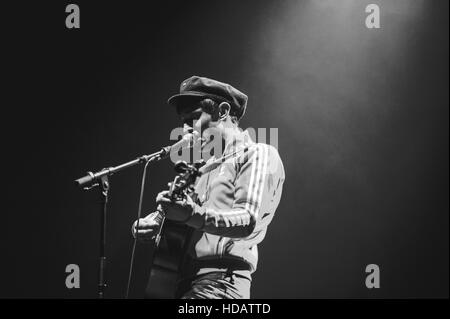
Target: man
{"x":237,"y":195}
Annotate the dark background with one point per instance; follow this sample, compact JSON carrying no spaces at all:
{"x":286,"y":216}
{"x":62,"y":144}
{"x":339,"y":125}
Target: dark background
{"x":363,"y":133}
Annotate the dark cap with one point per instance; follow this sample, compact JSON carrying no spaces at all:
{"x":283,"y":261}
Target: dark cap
{"x":196,"y":88}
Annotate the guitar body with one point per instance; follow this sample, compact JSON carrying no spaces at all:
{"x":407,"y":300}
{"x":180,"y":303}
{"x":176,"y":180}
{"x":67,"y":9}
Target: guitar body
{"x":173,"y":239}
{"x":167,"y":260}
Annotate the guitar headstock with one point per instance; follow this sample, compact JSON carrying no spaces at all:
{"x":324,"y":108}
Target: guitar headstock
{"x":185,"y":178}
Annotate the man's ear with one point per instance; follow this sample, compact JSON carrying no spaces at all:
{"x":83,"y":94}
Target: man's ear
{"x":224,"y":110}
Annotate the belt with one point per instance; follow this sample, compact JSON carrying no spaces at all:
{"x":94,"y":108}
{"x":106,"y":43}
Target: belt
{"x":230,"y":264}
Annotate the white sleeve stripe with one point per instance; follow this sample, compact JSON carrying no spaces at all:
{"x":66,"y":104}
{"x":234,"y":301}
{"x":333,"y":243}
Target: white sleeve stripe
{"x":257,"y":189}
{"x":258,"y":177}
{"x":263,"y":176}
{"x":250,"y":187}
{"x":260,"y":185}
{"x":252,"y":181}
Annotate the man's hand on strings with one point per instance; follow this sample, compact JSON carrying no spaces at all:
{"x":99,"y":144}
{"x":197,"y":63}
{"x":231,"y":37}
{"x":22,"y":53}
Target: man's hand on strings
{"x":176,"y":210}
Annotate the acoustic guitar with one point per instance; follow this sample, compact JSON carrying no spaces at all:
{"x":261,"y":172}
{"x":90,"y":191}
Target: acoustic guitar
{"x":173,"y":237}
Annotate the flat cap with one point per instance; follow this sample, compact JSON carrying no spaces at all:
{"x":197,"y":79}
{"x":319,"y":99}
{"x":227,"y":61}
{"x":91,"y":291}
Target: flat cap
{"x":196,"y":88}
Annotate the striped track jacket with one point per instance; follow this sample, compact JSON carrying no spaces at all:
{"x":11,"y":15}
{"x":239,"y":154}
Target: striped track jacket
{"x":238,"y":195}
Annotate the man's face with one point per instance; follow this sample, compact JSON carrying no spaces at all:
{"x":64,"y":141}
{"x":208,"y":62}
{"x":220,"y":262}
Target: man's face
{"x":202,"y":121}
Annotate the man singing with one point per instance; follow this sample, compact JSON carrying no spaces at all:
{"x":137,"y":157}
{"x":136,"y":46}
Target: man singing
{"x":236,"y":198}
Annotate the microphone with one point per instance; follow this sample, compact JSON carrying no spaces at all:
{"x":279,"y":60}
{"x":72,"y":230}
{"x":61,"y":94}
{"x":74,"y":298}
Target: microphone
{"x":188,"y":140}
{"x":91,"y":179}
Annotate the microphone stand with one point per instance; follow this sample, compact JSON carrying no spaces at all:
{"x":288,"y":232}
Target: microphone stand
{"x":101,"y":179}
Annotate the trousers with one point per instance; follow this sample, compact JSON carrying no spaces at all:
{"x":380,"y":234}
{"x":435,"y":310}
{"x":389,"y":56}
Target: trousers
{"x":215,"y":285}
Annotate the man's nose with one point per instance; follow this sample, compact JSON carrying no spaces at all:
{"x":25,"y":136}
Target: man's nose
{"x":194,"y":125}
{"x":188,"y":127}
{"x":201,"y":123}
{"x":197,"y":125}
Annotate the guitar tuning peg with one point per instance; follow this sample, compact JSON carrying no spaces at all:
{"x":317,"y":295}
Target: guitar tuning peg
{"x":199,"y":163}
{"x":181,"y":166}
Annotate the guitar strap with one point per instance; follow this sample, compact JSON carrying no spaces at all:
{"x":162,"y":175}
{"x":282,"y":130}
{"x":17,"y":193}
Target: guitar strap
{"x":213,"y":165}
